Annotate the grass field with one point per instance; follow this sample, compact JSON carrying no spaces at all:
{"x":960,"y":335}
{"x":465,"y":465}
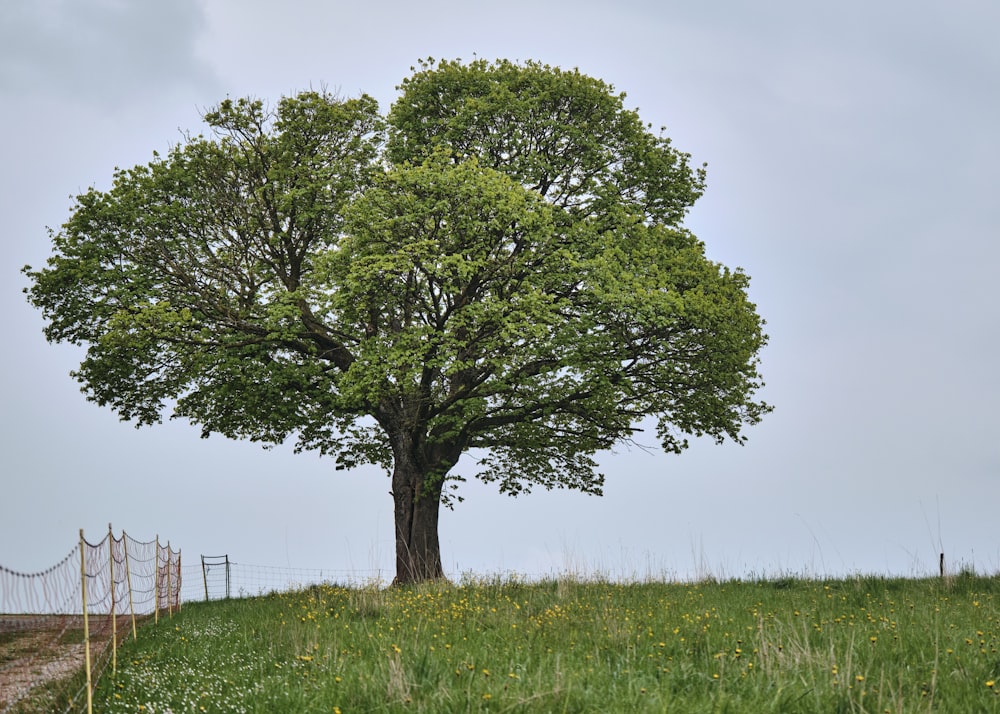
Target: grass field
{"x":786,"y":645}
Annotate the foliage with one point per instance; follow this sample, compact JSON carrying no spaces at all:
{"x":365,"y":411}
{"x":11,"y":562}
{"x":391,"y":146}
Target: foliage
{"x":865,"y":644}
{"x":497,"y":264}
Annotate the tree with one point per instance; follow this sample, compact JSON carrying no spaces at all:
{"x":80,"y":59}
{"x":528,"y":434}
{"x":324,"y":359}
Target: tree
{"x":497,"y":265}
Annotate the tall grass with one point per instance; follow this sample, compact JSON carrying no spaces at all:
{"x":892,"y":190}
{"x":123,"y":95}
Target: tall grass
{"x":787,"y":645}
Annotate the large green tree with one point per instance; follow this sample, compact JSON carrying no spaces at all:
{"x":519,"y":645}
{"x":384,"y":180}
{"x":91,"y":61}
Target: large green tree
{"x":497,"y":265}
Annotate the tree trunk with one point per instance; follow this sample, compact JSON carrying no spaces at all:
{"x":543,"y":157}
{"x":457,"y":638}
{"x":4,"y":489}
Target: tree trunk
{"x":417,"y":506}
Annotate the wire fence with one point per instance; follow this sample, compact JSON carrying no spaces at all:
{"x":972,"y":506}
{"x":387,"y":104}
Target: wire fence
{"x":73,"y":614}
{"x":69,"y":618}
{"x":218,"y":577}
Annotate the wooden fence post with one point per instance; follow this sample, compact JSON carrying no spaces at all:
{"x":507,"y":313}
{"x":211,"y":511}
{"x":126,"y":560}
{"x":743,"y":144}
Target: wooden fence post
{"x":128,"y":580}
{"x":86,"y":624}
{"x":156,"y":582}
{"x":179,"y":581}
{"x":114,"y":613}
{"x":170,"y":594}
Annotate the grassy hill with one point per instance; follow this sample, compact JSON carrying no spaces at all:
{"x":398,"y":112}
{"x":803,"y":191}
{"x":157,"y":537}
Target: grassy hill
{"x":788,"y":645}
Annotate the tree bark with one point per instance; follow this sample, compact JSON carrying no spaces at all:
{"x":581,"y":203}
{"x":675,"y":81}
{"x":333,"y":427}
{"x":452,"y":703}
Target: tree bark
{"x":417,"y":507}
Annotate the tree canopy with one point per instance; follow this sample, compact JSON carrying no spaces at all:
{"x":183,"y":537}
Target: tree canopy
{"x":497,"y":264}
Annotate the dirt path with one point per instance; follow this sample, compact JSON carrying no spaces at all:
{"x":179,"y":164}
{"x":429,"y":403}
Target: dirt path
{"x":35,"y":651}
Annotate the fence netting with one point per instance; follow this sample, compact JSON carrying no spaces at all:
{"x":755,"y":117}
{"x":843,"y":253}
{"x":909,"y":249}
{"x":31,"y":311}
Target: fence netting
{"x":50,"y":620}
{"x":218,"y":577}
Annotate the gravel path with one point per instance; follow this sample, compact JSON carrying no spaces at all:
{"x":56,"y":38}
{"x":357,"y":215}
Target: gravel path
{"x":33,"y":653}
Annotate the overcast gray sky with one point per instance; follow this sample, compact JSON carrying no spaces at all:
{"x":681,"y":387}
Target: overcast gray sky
{"x":853,"y":154}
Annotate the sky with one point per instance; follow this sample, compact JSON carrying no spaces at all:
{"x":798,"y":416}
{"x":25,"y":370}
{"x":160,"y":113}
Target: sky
{"x":853,"y":155}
